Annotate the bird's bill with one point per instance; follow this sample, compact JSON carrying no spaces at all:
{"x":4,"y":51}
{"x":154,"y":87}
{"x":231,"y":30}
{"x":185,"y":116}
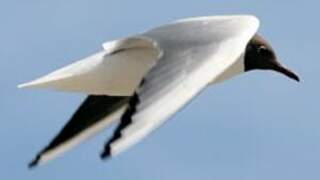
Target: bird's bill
{"x":287,"y":72}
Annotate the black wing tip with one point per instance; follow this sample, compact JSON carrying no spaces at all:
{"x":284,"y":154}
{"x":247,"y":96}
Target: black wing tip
{"x":106,"y":153}
{"x":34,"y":163}
{"x":125,"y":121}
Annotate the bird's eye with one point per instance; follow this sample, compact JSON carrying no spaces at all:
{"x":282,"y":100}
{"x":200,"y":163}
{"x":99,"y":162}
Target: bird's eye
{"x":262,"y":50}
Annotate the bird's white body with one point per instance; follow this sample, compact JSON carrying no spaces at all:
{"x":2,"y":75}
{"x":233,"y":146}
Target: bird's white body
{"x":176,"y":61}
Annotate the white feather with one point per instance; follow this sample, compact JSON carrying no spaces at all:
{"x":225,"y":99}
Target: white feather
{"x":116,"y":71}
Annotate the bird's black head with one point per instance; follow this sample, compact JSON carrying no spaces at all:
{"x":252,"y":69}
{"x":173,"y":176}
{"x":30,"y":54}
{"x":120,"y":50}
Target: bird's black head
{"x":260,"y":55}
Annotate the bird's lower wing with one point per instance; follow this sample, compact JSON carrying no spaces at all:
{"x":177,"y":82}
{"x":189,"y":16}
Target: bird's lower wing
{"x":95,"y":114}
{"x":194,"y":54}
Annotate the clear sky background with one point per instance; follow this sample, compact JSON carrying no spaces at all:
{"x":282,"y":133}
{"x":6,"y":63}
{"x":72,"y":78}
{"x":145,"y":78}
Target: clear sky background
{"x":260,"y":125}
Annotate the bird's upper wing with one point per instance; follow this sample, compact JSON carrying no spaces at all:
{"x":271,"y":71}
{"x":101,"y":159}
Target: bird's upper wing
{"x":115,"y":71}
{"x":194,"y":52}
{"x":94,"y":114}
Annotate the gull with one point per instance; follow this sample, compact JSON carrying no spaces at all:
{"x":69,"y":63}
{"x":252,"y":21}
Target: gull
{"x":140,"y":81}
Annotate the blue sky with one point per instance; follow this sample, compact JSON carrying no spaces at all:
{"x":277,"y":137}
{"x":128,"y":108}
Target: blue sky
{"x":257,"y":126}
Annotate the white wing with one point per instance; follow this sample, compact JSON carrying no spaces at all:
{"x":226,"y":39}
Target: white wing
{"x":115,"y":71}
{"x":195,"y":52}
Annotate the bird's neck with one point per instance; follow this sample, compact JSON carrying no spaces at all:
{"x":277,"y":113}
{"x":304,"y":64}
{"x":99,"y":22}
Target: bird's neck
{"x":235,"y":69}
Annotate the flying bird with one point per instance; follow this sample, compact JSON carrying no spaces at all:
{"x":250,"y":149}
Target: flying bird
{"x":140,"y":81}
